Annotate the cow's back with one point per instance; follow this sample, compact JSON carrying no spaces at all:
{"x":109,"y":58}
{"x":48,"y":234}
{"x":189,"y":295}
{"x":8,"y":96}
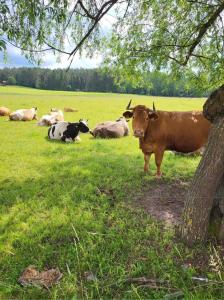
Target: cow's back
{"x":56,"y":131}
{"x":110,"y":129}
{"x":28,"y":114}
{"x":116,"y":130}
{"x":58,"y":115}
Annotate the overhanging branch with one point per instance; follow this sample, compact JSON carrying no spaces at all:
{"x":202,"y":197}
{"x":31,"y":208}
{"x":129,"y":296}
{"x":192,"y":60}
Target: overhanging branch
{"x":203,"y":31}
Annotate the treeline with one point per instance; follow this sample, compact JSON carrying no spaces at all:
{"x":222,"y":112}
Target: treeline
{"x":96,"y":80}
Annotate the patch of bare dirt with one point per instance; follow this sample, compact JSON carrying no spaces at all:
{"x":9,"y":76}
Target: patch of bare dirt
{"x":164,"y":201}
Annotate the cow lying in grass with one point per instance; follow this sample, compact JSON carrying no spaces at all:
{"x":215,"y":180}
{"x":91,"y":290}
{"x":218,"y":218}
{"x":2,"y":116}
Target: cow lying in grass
{"x":24,"y":114}
{"x":111,"y":129}
{"x":69,"y":109}
{"x":68,"y":132}
{"x":4,"y":111}
{"x":53,"y":117}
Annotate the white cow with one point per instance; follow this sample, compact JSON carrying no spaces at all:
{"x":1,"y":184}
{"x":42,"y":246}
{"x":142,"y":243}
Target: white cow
{"x":53,"y":117}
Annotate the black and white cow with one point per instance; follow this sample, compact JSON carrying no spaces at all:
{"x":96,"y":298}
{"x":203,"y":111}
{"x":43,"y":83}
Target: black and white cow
{"x":67,"y":132}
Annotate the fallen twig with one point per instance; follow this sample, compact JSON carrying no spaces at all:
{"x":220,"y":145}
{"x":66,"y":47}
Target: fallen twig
{"x":205,"y":279}
{"x":144,"y":280}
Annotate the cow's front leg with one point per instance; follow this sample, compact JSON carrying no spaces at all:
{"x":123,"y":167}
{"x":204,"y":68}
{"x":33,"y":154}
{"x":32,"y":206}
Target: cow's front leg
{"x":66,"y":139}
{"x":147,"y":158}
{"x":158,"y":158}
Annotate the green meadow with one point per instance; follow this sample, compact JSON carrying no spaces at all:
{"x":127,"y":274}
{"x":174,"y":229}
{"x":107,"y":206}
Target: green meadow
{"x":71,"y":205}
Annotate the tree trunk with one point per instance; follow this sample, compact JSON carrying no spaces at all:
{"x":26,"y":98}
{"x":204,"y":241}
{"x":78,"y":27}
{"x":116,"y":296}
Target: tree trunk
{"x":201,"y":194}
{"x":216,"y":226}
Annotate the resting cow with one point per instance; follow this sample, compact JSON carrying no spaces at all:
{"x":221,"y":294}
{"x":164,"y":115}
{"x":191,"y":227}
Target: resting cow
{"x":162,"y":130}
{"x":24,"y":114}
{"x":111,"y":129}
{"x":53,"y":117}
{"x":4,"y":111}
{"x":66,"y":131}
{"x":69,"y":109}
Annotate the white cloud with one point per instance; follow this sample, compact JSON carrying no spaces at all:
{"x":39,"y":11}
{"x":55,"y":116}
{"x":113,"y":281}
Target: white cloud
{"x":16,"y":59}
{"x":53,"y":61}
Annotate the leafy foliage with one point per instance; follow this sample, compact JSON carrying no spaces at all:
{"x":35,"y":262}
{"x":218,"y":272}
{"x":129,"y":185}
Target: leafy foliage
{"x":179,"y":36}
{"x":2,"y":45}
{"x":38,"y":26}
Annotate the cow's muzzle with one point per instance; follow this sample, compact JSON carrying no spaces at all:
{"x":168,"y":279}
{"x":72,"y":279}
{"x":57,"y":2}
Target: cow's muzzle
{"x":139,"y":133}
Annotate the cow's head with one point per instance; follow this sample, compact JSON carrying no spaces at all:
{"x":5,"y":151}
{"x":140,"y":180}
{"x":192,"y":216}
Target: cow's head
{"x":35,"y":113}
{"x":141,"y":116}
{"x":83,"y":126}
{"x":54,"y":110}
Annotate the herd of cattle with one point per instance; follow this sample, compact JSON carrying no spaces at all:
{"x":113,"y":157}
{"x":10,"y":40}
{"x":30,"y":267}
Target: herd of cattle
{"x":157,"y":131}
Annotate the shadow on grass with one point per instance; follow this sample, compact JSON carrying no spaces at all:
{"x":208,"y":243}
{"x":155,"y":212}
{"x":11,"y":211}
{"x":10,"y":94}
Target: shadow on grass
{"x":38,"y":214}
{"x":82,"y":195}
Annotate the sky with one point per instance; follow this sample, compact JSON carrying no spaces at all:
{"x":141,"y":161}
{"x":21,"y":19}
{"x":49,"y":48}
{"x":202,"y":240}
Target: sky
{"x":16,"y":59}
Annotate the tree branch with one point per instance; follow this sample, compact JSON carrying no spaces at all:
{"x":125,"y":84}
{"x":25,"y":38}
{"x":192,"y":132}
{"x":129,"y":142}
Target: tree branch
{"x":30,"y":50}
{"x":202,"y":3}
{"x":202,"y":32}
{"x":107,"y":6}
{"x":98,"y":17}
{"x":69,"y":20}
{"x":86,"y":11}
{"x":56,"y":49}
{"x":126,"y":10}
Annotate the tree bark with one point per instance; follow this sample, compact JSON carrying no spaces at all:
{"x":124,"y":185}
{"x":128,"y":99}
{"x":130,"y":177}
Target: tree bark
{"x":216,"y":226}
{"x":205,"y":184}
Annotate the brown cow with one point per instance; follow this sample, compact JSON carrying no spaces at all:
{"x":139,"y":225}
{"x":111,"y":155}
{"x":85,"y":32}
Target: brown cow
{"x":4,"y":111}
{"x":69,"y":109}
{"x":24,"y":114}
{"x":159,"y":131}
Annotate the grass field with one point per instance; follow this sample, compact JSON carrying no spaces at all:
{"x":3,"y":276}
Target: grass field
{"x":56,"y":210}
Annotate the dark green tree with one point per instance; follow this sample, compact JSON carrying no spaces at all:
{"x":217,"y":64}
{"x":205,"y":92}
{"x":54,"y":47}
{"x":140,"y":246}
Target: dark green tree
{"x":11,"y":80}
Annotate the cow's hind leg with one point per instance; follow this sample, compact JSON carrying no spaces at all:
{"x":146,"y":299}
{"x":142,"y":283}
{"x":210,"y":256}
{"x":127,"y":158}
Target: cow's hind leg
{"x":158,"y":159}
{"x":147,"y":158}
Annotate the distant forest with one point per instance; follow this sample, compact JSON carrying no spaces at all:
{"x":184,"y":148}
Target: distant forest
{"x":96,"y":80}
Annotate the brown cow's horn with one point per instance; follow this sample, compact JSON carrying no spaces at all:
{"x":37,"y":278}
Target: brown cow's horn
{"x":154,"y":109}
{"x":129,"y":106}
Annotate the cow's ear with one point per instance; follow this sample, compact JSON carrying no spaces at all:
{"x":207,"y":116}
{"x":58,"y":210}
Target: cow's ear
{"x":128,"y":114}
{"x":153,"y":115}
